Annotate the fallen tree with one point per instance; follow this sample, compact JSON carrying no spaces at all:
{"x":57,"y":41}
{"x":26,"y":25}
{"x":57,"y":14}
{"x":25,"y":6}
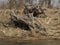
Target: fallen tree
{"x":26,"y":24}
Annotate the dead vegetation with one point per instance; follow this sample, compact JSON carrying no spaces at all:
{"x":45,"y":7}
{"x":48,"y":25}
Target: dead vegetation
{"x":15,"y":24}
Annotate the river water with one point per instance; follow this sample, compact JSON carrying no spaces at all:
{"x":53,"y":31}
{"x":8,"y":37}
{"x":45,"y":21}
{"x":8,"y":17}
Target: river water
{"x":56,"y":42}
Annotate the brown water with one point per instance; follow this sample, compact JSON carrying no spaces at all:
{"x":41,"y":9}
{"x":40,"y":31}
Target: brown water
{"x":57,"y":42}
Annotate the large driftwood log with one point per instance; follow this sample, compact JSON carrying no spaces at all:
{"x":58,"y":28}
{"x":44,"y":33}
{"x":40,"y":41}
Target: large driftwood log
{"x":19,"y":20}
{"x":26,"y":23}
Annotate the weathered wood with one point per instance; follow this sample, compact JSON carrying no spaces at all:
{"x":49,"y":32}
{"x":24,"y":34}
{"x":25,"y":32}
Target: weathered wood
{"x":36,"y":25}
{"x":22,"y":20}
{"x":19,"y":19}
{"x":35,"y":10}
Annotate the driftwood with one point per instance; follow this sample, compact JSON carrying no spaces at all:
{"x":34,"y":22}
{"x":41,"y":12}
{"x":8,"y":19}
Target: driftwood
{"x":15,"y":18}
{"x":36,"y":11}
{"x":18,"y":21}
{"x":26,"y":23}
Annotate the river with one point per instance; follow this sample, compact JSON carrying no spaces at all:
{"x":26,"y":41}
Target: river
{"x":56,"y":42}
